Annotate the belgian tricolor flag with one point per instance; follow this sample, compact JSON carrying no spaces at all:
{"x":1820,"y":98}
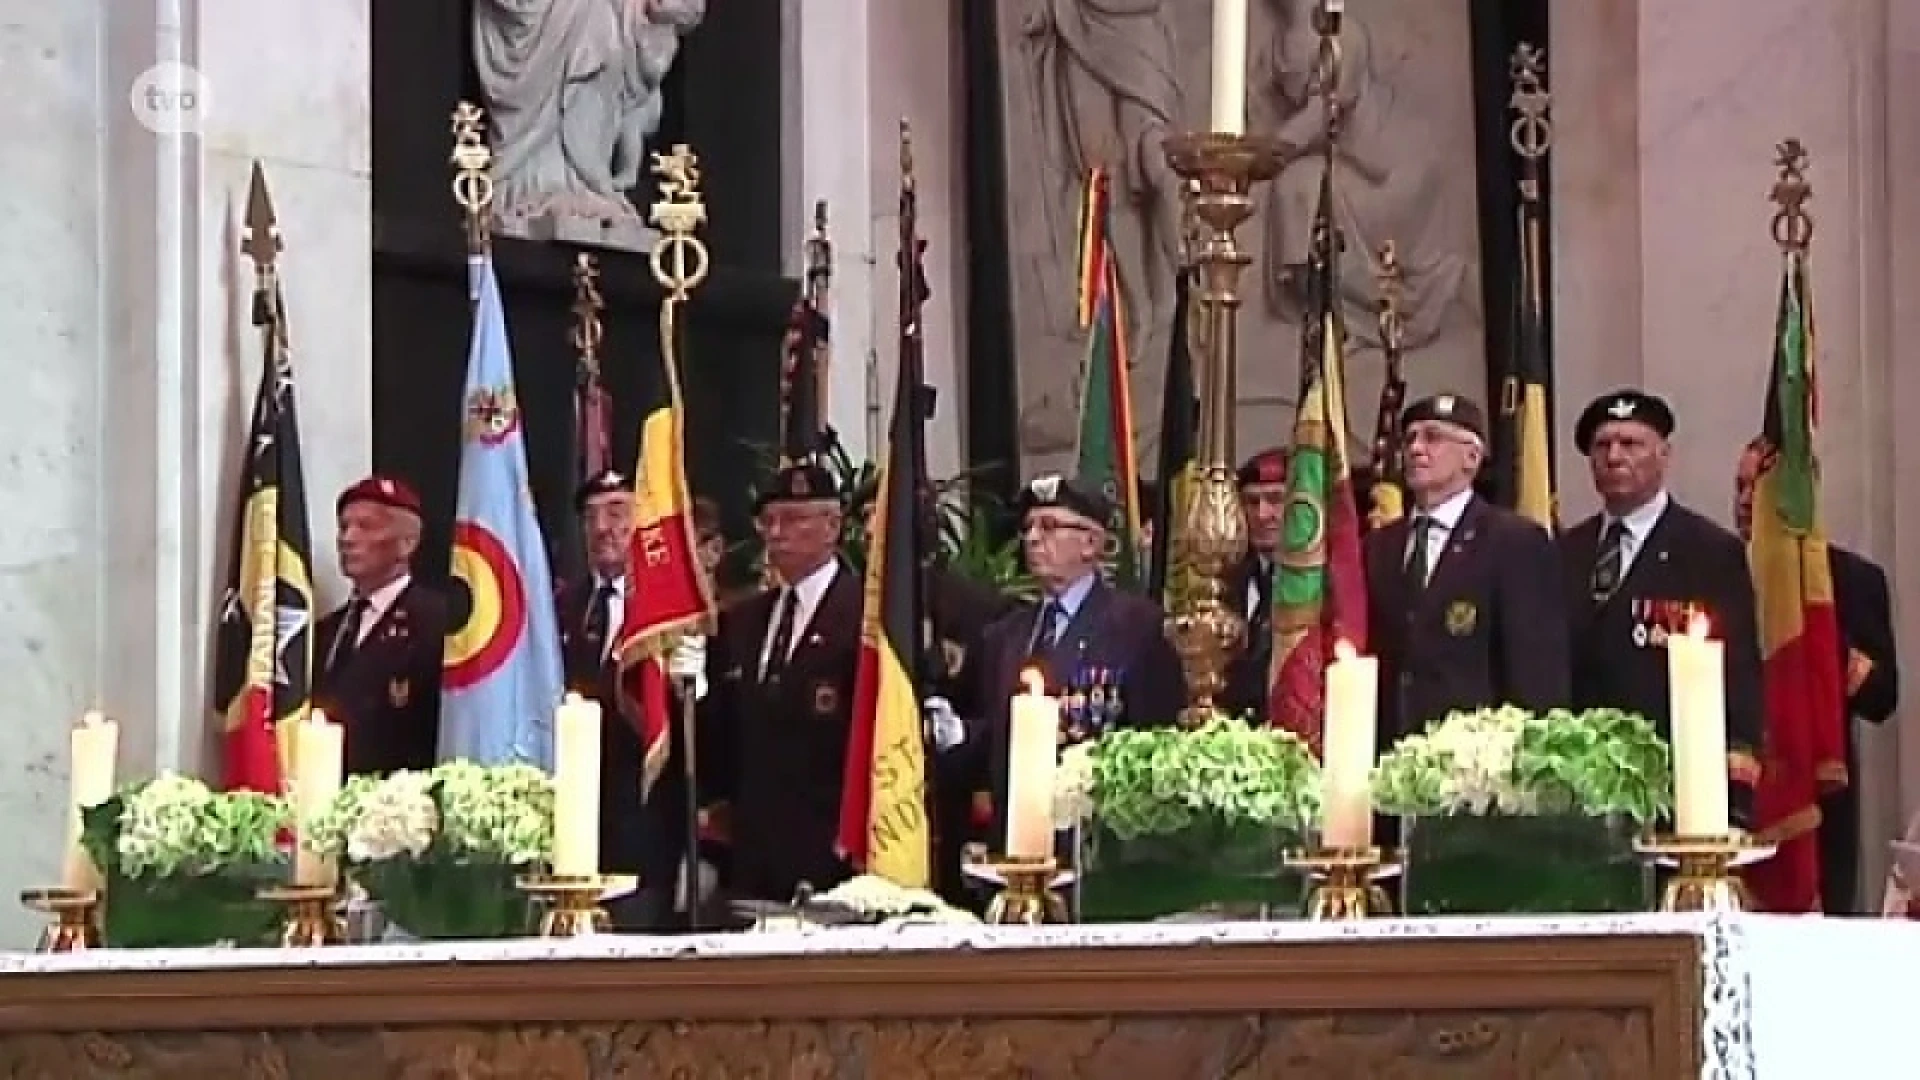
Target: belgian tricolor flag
{"x":668,"y":593}
{"x":263,"y":651}
{"x":1799,"y":631}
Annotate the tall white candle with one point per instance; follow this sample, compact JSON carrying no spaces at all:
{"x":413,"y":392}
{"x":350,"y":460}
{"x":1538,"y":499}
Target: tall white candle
{"x":1353,"y":713}
{"x":1230,"y":66}
{"x":576,"y":788}
{"x":319,"y":760}
{"x":91,"y":749}
{"x":1696,"y":684}
{"x":1033,"y":748}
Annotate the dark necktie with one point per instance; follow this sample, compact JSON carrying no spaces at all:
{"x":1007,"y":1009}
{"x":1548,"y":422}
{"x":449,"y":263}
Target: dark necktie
{"x":600,"y":619}
{"x":1419,"y":567}
{"x":782,"y":636}
{"x":347,"y":642}
{"x":1610,"y":562}
{"x":1257,"y":619}
{"x":1046,"y":628}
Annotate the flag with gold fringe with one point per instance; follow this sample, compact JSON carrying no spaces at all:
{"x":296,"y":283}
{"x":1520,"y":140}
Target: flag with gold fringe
{"x":1106,"y":458}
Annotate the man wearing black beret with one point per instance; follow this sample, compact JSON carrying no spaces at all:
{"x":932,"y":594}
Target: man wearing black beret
{"x":1100,"y":650}
{"x":1464,"y":607}
{"x":380,"y":654}
{"x":776,"y":719}
{"x":1638,"y":571}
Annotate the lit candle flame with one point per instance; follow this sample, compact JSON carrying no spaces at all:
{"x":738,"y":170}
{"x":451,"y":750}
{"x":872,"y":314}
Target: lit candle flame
{"x":1697,"y":626}
{"x":1344,"y":650}
{"x":1035,"y":683}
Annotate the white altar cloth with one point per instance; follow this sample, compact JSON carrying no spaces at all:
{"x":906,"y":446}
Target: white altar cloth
{"x":1785,"y":998}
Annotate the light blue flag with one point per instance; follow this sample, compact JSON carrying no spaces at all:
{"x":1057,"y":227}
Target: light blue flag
{"x":502,"y":677}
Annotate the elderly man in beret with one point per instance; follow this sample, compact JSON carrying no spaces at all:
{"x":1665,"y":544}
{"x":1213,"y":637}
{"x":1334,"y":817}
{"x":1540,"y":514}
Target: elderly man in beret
{"x":380,"y":653}
{"x":775,"y":724}
{"x":1262,"y":480}
{"x":1464,"y":606}
{"x":1636,"y":573}
{"x":1100,"y":650}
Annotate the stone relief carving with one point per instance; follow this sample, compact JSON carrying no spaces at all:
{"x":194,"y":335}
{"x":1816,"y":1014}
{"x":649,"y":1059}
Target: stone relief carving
{"x":1082,"y":75}
{"x":573,"y":94}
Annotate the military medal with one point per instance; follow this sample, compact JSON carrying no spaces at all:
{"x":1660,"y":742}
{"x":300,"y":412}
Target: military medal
{"x":1462,"y":617}
{"x":399,"y":692}
{"x":826,"y":699}
{"x":1640,"y":616}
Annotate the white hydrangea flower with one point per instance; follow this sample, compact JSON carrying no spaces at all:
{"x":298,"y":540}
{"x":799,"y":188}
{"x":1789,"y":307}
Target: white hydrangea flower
{"x":396,"y":816}
{"x":1073,"y":786}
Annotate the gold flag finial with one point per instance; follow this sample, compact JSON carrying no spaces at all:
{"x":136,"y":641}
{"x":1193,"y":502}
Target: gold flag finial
{"x":680,"y":258}
{"x":472,"y":162}
{"x":587,"y":332}
{"x":1327,"y":18}
{"x":906,"y":155}
{"x":1792,"y":225}
{"x":1392,"y":284}
{"x":1532,"y":131}
{"x":261,"y":240}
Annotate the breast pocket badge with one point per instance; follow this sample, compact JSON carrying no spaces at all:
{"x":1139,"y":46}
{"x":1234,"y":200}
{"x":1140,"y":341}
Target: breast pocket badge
{"x":399,"y":692}
{"x":826,"y":699}
{"x":1462,"y":618}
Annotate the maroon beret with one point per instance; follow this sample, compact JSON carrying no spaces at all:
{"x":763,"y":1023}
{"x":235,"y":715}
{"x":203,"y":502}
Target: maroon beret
{"x":383,"y":490}
{"x":1266,"y":467}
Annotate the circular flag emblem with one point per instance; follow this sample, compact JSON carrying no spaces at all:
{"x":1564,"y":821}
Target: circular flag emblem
{"x":495,"y":612}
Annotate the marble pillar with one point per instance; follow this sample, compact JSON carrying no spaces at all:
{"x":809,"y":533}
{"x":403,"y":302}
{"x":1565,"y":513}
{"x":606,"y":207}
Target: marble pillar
{"x":855,"y":70}
{"x":1667,"y":272}
{"x":130,"y":362}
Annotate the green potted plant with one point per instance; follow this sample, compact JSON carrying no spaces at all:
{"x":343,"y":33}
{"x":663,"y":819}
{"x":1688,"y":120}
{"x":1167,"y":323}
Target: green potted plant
{"x":1178,"y":821}
{"x":439,"y":851}
{"x":1509,"y":811}
{"x":183,"y":863}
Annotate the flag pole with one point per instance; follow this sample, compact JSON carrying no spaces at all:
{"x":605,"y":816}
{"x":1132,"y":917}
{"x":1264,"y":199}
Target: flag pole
{"x":473,"y":180}
{"x":1389,"y":456}
{"x":1206,"y":630}
{"x":680,"y":262}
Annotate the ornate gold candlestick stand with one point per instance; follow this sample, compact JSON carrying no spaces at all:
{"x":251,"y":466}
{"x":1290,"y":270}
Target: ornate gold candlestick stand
{"x":1342,"y":887}
{"x":1704,"y":878}
{"x":1221,"y":171}
{"x":570,"y":906}
{"x":76,"y":918}
{"x":1026,"y":897}
{"x":313,"y":916}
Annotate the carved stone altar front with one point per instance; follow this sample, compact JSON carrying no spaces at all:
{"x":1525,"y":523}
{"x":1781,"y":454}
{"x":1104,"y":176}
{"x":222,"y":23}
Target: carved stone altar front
{"x":1108,"y":80}
{"x":1608,"y":1007}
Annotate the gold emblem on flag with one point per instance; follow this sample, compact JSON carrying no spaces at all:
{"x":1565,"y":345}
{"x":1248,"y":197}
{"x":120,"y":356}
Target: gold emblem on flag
{"x":493,"y":414}
{"x":1462,"y":617}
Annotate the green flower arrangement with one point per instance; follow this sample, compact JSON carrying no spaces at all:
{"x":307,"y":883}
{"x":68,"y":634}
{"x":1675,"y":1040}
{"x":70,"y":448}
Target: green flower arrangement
{"x":1599,"y":763}
{"x":1157,"y":781}
{"x":439,"y":850}
{"x":183,"y":862}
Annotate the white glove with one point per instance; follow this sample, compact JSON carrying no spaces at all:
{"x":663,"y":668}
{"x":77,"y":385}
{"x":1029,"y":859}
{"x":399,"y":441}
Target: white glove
{"x":943,"y":724}
{"x":688,"y":662}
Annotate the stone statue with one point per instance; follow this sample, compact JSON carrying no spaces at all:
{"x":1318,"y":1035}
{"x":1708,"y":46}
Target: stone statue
{"x":1102,"y":82}
{"x":1388,"y":184}
{"x":573,"y":90}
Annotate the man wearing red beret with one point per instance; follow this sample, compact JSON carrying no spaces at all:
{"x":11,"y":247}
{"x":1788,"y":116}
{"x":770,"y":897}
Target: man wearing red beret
{"x":380,"y":653}
{"x":1262,"y":480}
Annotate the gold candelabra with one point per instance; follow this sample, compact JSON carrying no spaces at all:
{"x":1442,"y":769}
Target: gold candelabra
{"x":76,"y":918}
{"x":1703,"y":876}
{"x":1221,"y":170}
{"x":312,"y":919}
{"x":1342,"y":883}
{"x":1026,"y":897}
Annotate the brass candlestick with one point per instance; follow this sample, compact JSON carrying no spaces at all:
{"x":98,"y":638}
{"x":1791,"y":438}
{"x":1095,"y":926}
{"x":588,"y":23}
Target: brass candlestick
{"x":313,"y":917}
{"x":1343,"y":887}
{"x":1026,"y":897}
{"x":76,"y":918}
{"x":1704,"y":878}
{"x":1207,"y":631}
{"x":570,"y":906}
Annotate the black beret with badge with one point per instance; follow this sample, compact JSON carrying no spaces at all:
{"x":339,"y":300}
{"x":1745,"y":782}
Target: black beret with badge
{"x":803,"y":482}
{"x":1453,"y":409}
{"x":1636,"y":406}
{"x":604,"y":482}
{"x":1053,"y":491}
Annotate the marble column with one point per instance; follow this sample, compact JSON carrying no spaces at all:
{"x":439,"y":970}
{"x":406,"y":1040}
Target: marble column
{"x":856,"y":69}
{"x":130,"y":362}
{"x":1667,"y":116}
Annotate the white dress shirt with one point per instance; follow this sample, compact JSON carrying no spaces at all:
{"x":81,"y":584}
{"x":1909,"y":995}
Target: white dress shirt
{"x":1444,"y":519}
{"x":807,"y":593}
{"x":1639,"y":523}
{"x":617,"y":615}
{"x":379,"y":602}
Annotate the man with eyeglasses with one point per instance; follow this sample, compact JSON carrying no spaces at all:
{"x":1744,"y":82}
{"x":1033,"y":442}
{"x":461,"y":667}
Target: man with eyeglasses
{"x":774,"y":726}
{"x":1262,"y":480}
{"x":1636,"y":574}
{"x":1100,"y":650}
{"x":1464,"y":605}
